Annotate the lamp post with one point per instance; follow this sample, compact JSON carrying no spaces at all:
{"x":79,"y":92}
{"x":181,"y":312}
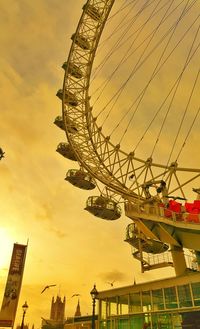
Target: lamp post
{"x":24,"y":307}
{"x":93,"y":294}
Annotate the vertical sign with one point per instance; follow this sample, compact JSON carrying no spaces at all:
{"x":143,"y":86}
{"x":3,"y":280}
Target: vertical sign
{"x":13,"y":286}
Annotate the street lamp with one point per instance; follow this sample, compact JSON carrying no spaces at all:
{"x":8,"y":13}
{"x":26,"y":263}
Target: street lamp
{"x":24,"y":308}
{"x":93,"y":294}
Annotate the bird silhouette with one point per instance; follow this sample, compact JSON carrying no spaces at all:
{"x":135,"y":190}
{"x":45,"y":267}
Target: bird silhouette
{"x":111,"y":283}
{"x":75,"y":295}
{"x":47,"y":287}
{"x":1,"y":153}
{"x":197,"y":190}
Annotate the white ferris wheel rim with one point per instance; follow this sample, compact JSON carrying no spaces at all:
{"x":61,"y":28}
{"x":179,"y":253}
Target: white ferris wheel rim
{"x":94,"y":151}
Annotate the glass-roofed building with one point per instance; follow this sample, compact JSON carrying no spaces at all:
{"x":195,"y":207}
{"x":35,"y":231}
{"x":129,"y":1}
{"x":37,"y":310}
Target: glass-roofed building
{"x":161,"y":304}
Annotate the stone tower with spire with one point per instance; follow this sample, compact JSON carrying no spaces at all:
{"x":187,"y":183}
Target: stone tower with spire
{"x":78,"y":310}
{"x":57,"y":312}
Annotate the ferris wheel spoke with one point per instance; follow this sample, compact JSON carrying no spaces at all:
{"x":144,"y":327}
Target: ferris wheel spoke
{"x":159,"y":34}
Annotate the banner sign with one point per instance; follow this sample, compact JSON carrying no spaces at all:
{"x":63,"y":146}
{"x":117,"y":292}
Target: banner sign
{"x":13,"y":286}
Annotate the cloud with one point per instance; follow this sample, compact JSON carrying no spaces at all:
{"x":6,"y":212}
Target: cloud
{"x":114,"y":275}
{"x":59,"y":234}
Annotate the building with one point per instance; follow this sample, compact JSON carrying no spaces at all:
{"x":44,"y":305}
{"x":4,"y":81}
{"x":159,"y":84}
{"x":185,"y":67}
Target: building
{"x":172,"y":303}
{"x":78,"y":310}
{"x":160,"y":236}
{"x":57,"y":309}
{"x":79,"y":321}
{"x":57,"y":314}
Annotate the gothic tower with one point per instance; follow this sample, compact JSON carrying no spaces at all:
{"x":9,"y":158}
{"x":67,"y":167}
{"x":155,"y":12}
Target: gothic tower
{"x":78,"y":310}
{"x":57,"y":309}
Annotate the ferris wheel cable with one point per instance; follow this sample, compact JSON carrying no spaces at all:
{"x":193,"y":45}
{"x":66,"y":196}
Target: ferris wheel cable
{"x":149,"y":34}
{"x":105,"y":82}
{"x":127,"y":38}
{"x":161,"y":106}
{"x":123,"y":59}
{"x":105,"y":41}
{"x":122,"y":22}
{"x":118,"y":43}
{"x":184,"y":114}
{"x":145,"y":87}
{"x":177,"y":86}
{"x":152,"y":122}
{"x":123,"y":6}
{"x":118,"y":27}
{"x":116,"y":95}
{"x":152,"y":75}
{"x":113,"y":166}
{"x":189,"y":131}
{"x":181,"y":185}
{"x":130,"y":76}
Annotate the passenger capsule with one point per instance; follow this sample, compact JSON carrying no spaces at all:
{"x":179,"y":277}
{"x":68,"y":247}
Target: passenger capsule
{"x":80,"y":179}
{"x":148,"y":245}
{"x":59,"y":122}
{"x":92,"y":12}
{"x":71,"y":126}
{"x":103,"y":207}
{"x":73,"y":69}
{"x":70,"y":98}
{"x":81,"y":41}
{"x":66,"y":150}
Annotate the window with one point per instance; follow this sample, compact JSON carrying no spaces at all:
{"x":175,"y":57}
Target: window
{"x":123,"y":324}
{"x":113,"y":308}
{"x":137,"y":321}
{"x":157,"y":297}
{"x":146,"y":301}
{"x":196,"y":293}
{"x":135,"y":303}
{"x":170,"y":297}
{"x":103,"y":309}
{"x":184,"y":296}
{"x":123,"y":304}
{"x":163,"y":321}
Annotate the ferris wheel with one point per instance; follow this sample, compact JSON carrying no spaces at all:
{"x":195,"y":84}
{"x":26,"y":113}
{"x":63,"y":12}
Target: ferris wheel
{"x":130,"y":110}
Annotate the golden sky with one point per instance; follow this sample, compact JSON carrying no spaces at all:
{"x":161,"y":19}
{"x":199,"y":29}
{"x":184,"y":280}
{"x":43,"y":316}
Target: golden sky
{"x":67,"y":246}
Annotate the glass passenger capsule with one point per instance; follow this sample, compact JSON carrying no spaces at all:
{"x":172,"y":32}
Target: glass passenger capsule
{"x":73,"y":69}
{"x":70,"y":98}
{"x":103,"y":207}
{"x":71,"y":126}
{"x":59,"y":122}
{"x":80,"y":179}
{"x":66,"y":150}
{"x":81,"y":41}
{"x":148,"y":245}
{"x":92,"y":12}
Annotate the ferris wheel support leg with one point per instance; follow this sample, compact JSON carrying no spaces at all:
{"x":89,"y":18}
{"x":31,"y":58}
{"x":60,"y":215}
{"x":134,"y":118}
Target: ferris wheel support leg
{"x":178,"y":260}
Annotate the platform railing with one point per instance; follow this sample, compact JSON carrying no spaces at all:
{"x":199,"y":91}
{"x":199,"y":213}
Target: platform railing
{"x":164,"y":258}
{"x":164,"y":212}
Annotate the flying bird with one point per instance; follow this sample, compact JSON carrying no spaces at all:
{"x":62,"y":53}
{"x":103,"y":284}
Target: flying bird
{"x":197,"y":190}
{"x":75,"y":295}
{"x":111,"y":283}
{"x":1,"y":153}
{"x":47,"y":287}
